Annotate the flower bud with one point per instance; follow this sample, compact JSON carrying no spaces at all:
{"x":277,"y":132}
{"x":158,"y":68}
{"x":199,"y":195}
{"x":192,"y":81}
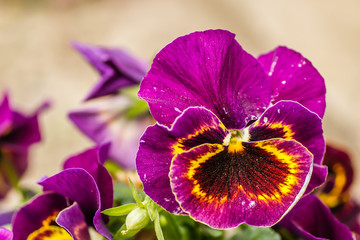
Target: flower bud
{"x":137,"y":219}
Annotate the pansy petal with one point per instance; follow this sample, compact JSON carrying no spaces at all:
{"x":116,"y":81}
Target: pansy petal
{"x":318,"y":177}
{"x":256,"y":184}
{"x":159,"y":144}
{"x":104,"y":121}
{"x":290,"y":120}
{"x":84,"y":192}
{"x":5,"y":234}
{"x":117,"y":68}
{"x":293,"y":77}
{"x":311,"y":219}
{"x":208,"y":69}
{"x":6,"y":115}
{"x":73,"y":220}
{"x":91,"y":160}
{"x":38,"y":215}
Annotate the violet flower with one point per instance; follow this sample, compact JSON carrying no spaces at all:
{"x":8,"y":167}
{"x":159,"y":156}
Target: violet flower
{"x":17,"y":133}
{"x":335,"y":193}
{"x":72,"y":200}
{"x":312,"y":220}
{"x":237,"y":138}
{"x":108,"y":117}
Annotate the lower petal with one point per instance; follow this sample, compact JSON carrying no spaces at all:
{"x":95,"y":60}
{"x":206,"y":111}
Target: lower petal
{"x":257,"y":184}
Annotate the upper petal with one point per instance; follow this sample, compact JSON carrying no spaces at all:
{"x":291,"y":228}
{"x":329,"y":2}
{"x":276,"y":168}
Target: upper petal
{"x":5,"y":234}
{"x":293,"y":77}
{"x":257,"y":183}
{"x":208,"y":69}
{"x":117,"y":68}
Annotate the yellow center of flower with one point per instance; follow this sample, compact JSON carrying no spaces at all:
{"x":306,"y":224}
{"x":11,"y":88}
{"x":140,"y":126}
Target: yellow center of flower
{"x":50,"y":231}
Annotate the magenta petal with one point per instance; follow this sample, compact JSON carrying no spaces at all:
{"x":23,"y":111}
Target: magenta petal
{"x":117,"y":68}
{"x":6,"y":115}
{"x":84,"y":192}
{"x":208,"y":69}
{"x":290,"y":120}
{"x":311,"y":219}
{"x":91,"y":160}
{"x":104,"y":121}
{"x":159,"y":144}
{"x":73,"y":220}
{"x":5,"y":234}
{"x":256,"y":184}
{"x":293,"y":77}
{"x":318,"y":177}
{"x":31,"y":216}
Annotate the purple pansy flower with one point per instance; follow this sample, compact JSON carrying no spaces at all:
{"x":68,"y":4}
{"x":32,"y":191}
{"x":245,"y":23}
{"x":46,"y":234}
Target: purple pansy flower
{"x":17,"y":133}
{"x":335,"y":193}
{"x":105,"y":118}
{"x":237,"y":138}
{"x":72,"y":200}
{"x":312,"y":220}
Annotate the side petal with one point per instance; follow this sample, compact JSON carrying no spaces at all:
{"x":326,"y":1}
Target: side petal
{"x":6,"y":115}
{"x":73,"y":220}
{"x":159,"y":145}
{"x":290,"y":120}
{"x":311,"y":219}
{"x":293,"y":77}
{"x":40,"y":211}
{"x":257,"y":184}
{"x":118,"y":69}
{"x":208,"y":69}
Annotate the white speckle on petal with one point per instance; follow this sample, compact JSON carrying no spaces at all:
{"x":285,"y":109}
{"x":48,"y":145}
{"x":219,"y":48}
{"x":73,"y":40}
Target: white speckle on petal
{"x":225,"y":111}
{"x":154,"y":88}
{"x":265,"y":119}
{"x":252,"y":204}
{"x":177,"y":110}
{"x":278,"y":111}
{"x":142,"y":141}
{"x":283,"y":82}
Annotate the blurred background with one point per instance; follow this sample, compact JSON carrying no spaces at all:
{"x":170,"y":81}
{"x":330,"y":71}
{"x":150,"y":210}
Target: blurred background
{"x":37,"y":62}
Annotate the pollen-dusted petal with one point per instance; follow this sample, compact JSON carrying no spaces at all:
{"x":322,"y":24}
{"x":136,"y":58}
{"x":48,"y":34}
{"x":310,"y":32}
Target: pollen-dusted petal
{"x":290,"y":120}
{"x":73,"y":220}
{"x":256,"y":184}
{"x":159,"y":144}
{"x":208,"y":69}
{"x":39,"y":212}
{"x":293,"y":77}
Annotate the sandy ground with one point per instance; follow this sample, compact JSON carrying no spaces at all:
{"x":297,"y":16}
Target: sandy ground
{"x":36,"y":62}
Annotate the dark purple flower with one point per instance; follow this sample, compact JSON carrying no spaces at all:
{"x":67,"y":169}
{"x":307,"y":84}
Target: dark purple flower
{"x":17,"y":133}
{"x":72,"y":200}
{"x":5,"y":234}
{"x":312,"y":220}
{"x":237,"y":138}
{"x":335,"y":193}
{"x":107,"y":117}
{"x":117,"y":68}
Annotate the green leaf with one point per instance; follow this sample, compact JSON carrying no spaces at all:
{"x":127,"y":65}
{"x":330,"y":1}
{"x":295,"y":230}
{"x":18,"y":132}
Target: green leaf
{"x":121,"y":210}
{"x":122,"y":233}
{"x":253,"y":233}
{"x":122,"y":193}
{"x":135,"y":193}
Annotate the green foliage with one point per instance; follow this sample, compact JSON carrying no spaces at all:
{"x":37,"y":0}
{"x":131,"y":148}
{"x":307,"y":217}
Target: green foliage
{"x":247,"y":232}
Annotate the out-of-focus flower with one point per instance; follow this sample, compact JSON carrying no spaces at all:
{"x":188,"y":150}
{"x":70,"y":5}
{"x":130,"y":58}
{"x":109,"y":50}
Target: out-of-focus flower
{"x":5,"y":234}
{"x":237,"y":139}
{"x":114,"y":113}
{"x":312,"y":220}
{"x":17,"y":133}
{"x":335,"y":193}
{"x":72,"y":200}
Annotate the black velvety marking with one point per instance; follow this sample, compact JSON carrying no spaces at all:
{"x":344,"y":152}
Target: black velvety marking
{"x":254,"y":169}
